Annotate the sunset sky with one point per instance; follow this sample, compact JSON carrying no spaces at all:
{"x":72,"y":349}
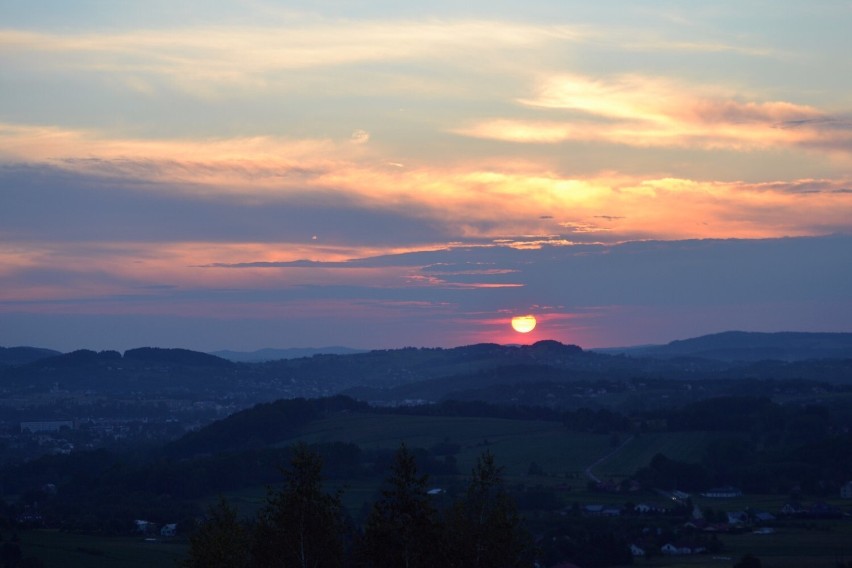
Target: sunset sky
{"x":238,"y":175}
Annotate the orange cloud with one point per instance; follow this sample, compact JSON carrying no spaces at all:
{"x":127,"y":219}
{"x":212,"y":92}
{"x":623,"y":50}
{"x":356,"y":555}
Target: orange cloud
{"x":651,"y":112}
{"x":471,"y":200}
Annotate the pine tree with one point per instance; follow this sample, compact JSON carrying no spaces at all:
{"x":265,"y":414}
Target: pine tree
{"x":484,"y":527}
{"x":301,"y":525}
{"x":402,"y":529}
{"x":221,"y":541}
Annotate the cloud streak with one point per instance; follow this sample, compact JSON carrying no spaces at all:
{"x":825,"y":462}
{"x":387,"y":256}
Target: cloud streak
{"x":653,"y":112}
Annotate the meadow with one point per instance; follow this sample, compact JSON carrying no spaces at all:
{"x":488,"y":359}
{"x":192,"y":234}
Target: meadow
{"x":58,"y":549}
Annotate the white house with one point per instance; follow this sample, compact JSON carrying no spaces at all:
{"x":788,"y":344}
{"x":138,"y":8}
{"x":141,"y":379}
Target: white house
{"x":846,"y":490}
{"x":670,"y":549}
{"x":737,"y":518}
{"x":169,"y":529}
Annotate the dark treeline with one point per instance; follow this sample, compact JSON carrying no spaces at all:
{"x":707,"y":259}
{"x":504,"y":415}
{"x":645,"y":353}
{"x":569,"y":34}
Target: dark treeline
{"x":272,"y":422}
{"x":302,"y":525}
{"x":761,"y":447}
{"x":474,"y":409}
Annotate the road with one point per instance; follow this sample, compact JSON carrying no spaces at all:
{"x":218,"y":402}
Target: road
{"x":588,"y":471}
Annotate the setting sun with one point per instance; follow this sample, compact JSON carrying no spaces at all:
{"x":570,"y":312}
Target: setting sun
{"x":523,"y":324}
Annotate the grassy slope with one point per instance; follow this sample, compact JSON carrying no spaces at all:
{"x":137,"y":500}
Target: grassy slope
{"x":64,"y":550}
{"x":515,"y":443}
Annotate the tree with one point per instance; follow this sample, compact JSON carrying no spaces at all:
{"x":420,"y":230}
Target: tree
{"x":301,"y":525}
{"x":484,"y":527}
{"x":10,"y":552}
{"x":402,"y":529}
{"x":749,"y":561}
{"x":221,"y":541}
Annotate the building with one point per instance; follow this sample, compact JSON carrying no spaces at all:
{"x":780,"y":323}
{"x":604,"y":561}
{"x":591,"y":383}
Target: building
{"x":846,"y":490}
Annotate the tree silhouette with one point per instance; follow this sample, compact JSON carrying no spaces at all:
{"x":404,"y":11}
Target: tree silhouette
{"x":484,"y":528}
{"x":749,"y":561}
{"x":221,"y":541}
{"x":402,"y":529}
{"x":301,"y":525}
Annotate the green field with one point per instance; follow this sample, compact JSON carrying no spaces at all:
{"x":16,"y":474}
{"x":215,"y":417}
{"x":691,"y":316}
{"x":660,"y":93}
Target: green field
{"x":682,"y":446}
{"x":515,"y":443}
{"x":64,"y":550}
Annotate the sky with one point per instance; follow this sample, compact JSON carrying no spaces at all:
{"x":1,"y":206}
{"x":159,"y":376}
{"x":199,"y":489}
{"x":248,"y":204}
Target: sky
{"x":380,"y":174}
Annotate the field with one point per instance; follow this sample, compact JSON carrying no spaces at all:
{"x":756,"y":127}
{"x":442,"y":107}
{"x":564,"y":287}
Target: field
{"x":683,"y":446}
{"x":63,"y":550}
{"x":515,"y":443}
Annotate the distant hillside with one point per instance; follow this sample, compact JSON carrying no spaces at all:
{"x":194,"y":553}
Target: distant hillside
{"x":24,"y":355}
{"x":262,"y":355}
{"x":545,"y":373}
{"x":175,"y":357}
{"x":146,"y":369}
{"x":750,"y":346}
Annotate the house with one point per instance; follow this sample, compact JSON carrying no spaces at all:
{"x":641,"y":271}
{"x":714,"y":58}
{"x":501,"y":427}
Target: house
{"x":737,"y":518}
{"x":670,"y":549}
{"x":792,"y":509}
{"x":169,"y":529}
{"x":636,"y":551}
{"x":846,"y":490}
{"x":643,"y":509}
{"x":763,"y":516}
{"x":144,"y":526}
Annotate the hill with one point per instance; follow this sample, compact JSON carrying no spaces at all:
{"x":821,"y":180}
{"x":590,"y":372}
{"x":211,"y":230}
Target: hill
{"x":24,"y":355}
{"x":750,"y":346}
{"x":143,"y":370}
{"x":262,"y":355}
{"x":547,"y":372}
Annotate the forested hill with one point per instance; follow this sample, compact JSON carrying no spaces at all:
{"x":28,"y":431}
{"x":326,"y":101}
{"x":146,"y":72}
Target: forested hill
{"x":751,"y":346}
{"x":546,"y":368}
{"x":24,"y":355}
